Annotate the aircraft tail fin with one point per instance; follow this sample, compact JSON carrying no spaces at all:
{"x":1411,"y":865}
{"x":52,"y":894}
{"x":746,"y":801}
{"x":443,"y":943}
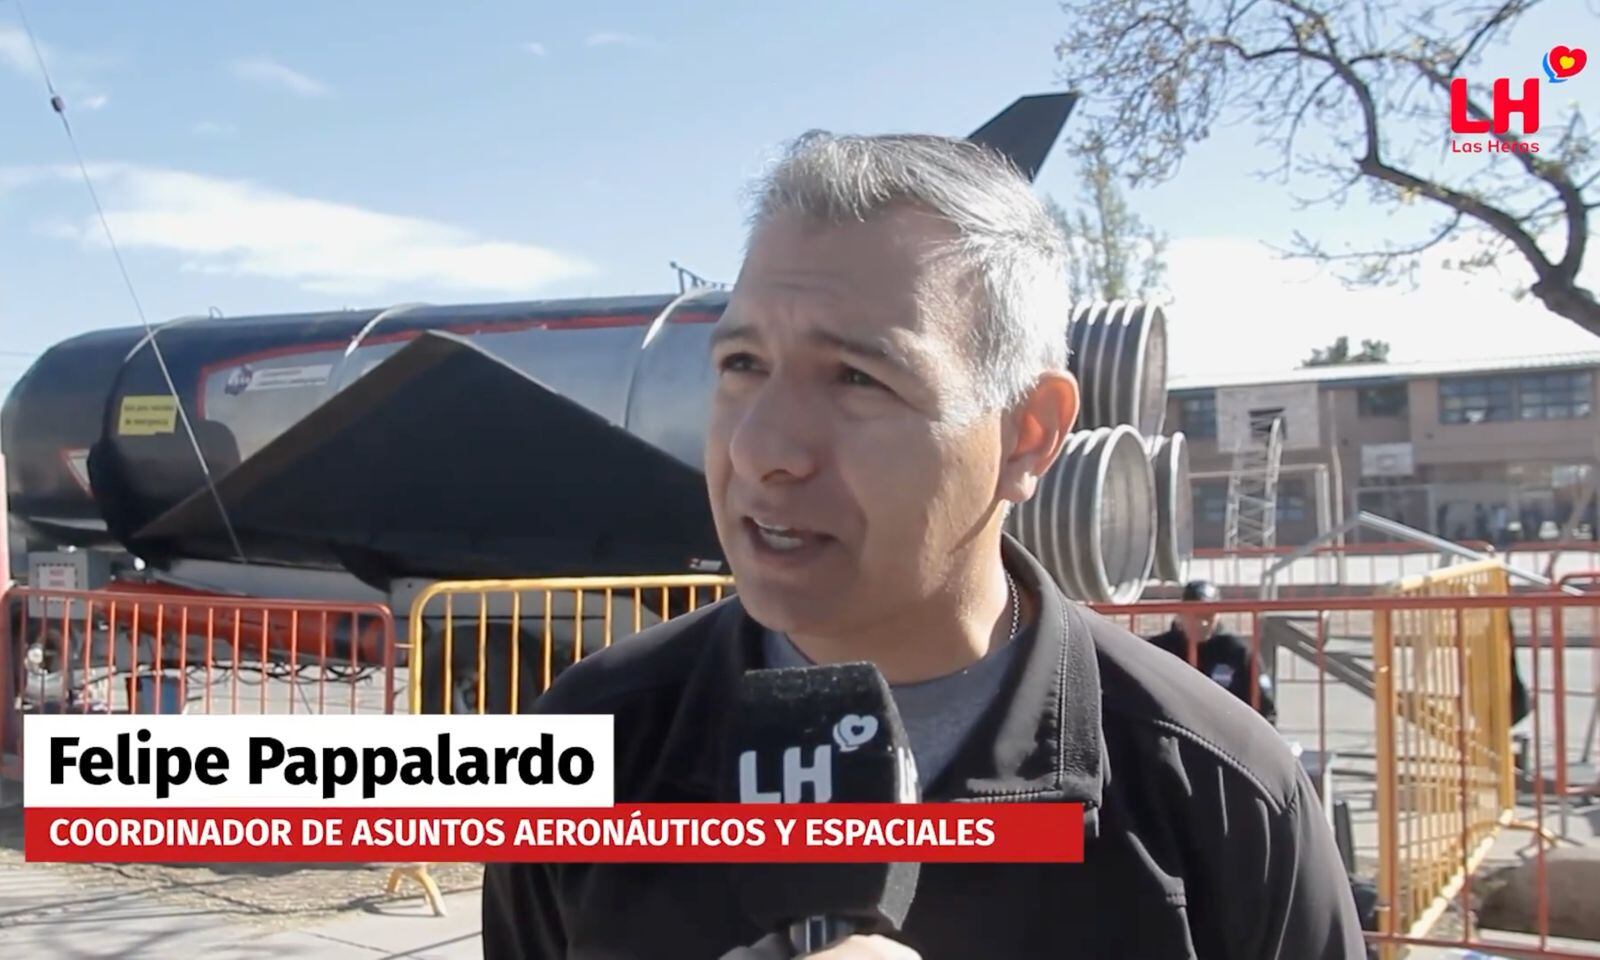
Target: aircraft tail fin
{"x":1027,"y":130}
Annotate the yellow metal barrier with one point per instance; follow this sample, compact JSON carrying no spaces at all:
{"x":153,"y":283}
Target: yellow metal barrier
{"x":552,"y":621}
{"x":558,"y":611}
{"x":1445,"y":774}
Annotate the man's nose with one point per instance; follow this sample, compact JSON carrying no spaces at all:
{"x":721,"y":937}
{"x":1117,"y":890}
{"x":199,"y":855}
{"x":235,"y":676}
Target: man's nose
{"x":775,"y":435}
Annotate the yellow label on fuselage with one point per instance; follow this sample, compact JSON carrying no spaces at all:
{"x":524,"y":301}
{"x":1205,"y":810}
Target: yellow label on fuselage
{"x":148,"y":416}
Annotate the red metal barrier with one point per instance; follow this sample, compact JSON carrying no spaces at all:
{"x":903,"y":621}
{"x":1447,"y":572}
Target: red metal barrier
{"x":1591,"y":577}
{"x":1408,"y":706}
{"x":1553,"y":559}
{"x":150,"y":648}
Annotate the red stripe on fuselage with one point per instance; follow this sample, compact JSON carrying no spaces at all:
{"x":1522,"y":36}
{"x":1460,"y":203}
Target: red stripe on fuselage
{"x":465,"y":329}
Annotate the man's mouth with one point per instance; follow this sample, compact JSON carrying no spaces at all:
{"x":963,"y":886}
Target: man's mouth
{"x":782,"y":538}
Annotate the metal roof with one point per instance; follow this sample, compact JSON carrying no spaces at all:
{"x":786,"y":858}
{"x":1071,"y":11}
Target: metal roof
{"x":1354,"y":373}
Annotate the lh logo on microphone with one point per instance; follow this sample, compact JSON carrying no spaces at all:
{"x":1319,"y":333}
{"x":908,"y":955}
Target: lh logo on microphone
{"x":853,"y":732}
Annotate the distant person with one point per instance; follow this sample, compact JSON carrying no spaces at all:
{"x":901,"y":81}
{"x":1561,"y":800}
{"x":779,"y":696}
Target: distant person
{"x":1500,"y":525}
{"x":1219,"y":654}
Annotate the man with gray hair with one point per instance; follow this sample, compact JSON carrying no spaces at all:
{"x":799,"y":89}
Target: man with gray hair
{"x":891,"y":379}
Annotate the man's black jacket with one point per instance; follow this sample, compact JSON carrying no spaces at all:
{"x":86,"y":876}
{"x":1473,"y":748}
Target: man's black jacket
{"x":1205,"y":837}
{"x":1225,"y":658}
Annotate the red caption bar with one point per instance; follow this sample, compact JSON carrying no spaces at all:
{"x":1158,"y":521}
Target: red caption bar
{"x":649,"y":833}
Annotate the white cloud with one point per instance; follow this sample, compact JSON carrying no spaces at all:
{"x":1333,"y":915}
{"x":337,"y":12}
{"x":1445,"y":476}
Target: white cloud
{"x":238,"y":228}
{"x":17,"y":53}
{"x":12,"y":178}
{"x":59,"y":229}
{"x":534,"y":47}
{"x":1238,"y":307}
{"x":606,"y":38}
{"x":72,"y":73}
{"x":212,"y":128}
{"x":271,"y":73}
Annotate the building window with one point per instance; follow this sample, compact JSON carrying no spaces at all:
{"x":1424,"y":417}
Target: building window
{"x":1475,"y":400}
{"x":1292,"y":507}
{"x":1385,"y":401}
{"x":1211,"y":501}
{"x":1198,"y":415}
{"x":1261,"y":423}
{"x":1555,"y":396}
{"x":1567,"y":395}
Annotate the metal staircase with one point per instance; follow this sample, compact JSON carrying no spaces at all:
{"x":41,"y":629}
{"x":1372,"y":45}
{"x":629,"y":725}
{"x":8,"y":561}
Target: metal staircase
{"x":1252,"y":517}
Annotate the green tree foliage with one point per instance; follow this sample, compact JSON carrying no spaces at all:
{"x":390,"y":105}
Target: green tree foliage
{"x":1116,"y":255}
{"x":1338,"y":354}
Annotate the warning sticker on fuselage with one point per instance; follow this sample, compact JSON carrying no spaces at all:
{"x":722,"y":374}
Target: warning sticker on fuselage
{"x":77,"y":461}
{"x":147,"y":416}
{"x":248,"y":379}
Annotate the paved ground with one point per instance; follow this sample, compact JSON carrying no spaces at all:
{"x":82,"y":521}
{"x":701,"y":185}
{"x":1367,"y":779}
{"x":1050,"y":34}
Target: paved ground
{"x":226,"y":911}
{"x":47,"y":911}
{"x":45,"y":915}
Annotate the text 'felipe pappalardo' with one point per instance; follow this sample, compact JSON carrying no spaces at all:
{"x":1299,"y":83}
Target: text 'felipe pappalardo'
{"x":134,"y":761}
{"x":400,"y":760}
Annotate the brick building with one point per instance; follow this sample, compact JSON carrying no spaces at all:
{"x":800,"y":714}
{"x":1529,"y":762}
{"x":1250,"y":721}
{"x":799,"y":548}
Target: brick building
{"x":1495,"y":450}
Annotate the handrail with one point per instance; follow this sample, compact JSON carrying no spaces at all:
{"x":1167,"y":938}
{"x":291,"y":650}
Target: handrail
{"x":1400,"y":531}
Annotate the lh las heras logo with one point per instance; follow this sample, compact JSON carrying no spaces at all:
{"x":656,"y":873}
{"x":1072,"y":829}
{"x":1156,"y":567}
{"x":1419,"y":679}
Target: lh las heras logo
{"x":1561,"y":64}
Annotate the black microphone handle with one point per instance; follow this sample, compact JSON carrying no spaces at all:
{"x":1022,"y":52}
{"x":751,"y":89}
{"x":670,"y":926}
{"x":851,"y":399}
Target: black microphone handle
{"x":816,"y":933}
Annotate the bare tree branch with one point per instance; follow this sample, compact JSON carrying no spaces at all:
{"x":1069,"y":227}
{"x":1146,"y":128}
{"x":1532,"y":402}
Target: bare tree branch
{"x":1582,"y":188}
{"x":1503,"y":222}
{"x":1508,"y":11}
{"x":1390,"y":252}
{"x":1299,"y":117}
{"x":1373,"y":77}
{"x":1116,"y":256}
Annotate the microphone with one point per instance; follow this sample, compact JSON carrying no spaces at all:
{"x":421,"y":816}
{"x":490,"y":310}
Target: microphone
{"x":822,"y":734}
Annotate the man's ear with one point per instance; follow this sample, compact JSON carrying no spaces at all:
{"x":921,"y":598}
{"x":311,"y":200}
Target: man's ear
{"x":1037,"y":433}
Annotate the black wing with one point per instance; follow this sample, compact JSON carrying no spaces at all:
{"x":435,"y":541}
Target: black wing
{"x":446,"y":461}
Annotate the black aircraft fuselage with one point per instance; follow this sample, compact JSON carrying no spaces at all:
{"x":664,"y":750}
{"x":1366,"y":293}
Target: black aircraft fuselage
{"x":542,"y":438}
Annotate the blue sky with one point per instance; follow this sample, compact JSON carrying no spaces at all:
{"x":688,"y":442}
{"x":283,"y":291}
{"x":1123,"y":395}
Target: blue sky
{"x":293,"y":155}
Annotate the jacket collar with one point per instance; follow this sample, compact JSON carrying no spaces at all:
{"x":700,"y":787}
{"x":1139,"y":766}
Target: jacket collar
{"x":1041,"y":740}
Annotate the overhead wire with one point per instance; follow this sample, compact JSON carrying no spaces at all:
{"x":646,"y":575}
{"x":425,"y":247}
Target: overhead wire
{"x":58,"y":104}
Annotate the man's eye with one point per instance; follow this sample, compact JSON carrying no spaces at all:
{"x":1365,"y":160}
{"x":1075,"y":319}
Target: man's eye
{"x":856,"y":378}
{"x":737,"y":363}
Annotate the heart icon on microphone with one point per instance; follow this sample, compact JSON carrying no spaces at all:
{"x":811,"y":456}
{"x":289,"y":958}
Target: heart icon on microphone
{"x":853,"y":731}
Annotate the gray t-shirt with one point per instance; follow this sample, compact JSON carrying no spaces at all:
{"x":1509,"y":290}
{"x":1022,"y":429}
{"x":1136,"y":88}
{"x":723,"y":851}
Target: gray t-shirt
{"x":939,"y":713}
